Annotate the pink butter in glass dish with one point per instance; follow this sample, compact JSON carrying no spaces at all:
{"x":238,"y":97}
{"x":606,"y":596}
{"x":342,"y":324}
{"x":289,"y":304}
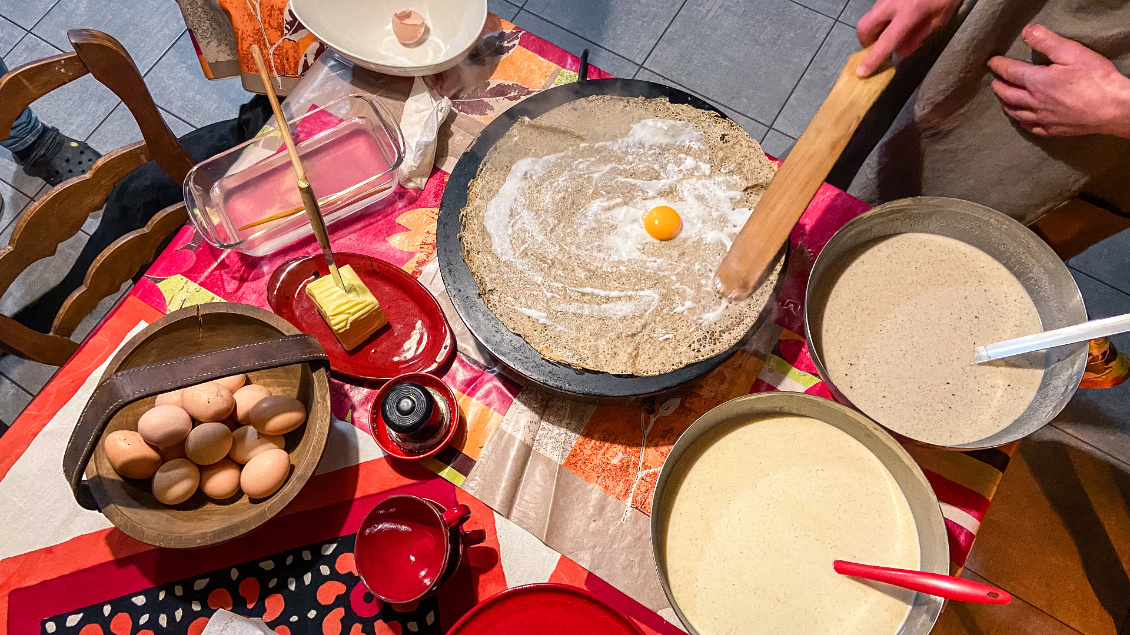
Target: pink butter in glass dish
{"x":351,"y":149}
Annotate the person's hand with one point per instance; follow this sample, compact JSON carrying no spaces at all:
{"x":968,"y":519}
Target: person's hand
{"x":1080,"y":93}
{"x":899,"y":26}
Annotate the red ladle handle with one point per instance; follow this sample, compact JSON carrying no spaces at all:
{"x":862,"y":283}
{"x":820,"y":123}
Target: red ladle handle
{"x":945,"y":586}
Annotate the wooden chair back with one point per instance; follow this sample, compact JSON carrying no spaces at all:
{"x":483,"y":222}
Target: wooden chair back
{"x":60,"y":213}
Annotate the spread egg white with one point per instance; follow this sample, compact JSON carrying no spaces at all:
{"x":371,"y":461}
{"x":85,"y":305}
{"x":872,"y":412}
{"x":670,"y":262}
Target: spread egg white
{"x":613,"y":229}
{"x":657,"y":131}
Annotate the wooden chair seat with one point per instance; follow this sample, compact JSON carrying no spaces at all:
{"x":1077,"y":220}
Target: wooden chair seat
{"x":60,"y":213}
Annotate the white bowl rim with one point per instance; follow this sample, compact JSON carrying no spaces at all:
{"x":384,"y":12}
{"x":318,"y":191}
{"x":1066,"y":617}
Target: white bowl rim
{"x":425,"y":69}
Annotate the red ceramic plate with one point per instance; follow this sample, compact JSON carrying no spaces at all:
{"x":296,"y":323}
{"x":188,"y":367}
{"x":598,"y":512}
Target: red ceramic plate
{"x":546,"y":609}
{"x":417,"y":338}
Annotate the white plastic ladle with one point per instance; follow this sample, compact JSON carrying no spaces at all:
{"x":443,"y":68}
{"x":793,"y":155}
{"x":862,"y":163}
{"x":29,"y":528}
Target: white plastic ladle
{"x":1050,"y":339}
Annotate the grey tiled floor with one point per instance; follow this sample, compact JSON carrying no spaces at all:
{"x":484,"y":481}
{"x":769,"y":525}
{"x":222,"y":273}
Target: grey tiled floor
{"x":766,"y":63}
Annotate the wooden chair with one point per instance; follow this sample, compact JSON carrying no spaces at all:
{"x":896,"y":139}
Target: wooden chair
{"x":61,"y":212}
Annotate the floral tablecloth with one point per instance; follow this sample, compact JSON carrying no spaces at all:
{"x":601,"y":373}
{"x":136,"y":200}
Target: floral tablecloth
{"x":562,"y":488}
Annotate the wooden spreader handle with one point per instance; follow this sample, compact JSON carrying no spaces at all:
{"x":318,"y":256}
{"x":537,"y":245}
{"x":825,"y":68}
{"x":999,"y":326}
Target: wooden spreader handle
{"x":799,"y":177}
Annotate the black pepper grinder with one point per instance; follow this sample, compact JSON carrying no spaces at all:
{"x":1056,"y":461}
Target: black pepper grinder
{"x":414,"y":421}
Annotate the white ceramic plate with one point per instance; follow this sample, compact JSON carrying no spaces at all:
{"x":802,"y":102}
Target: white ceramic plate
{"x":361,"y":31}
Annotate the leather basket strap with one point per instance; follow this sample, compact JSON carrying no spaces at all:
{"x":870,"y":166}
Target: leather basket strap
{"x":127,"y":386}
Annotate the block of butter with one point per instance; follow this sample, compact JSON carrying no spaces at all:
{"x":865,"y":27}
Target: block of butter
{"x":353,"y":315}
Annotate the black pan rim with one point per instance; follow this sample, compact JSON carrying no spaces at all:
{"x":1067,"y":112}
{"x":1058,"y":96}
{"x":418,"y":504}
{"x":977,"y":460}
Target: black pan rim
{"x":517,"y":358}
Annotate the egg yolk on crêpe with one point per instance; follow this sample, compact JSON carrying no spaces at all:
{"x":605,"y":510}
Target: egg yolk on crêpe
{"x":662,"y":222}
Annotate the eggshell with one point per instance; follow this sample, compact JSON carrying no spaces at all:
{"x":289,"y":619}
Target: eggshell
{"x":208,"y":443}
{"x":247,"y":442}
{"x":232,"y":382}
{"x":163,"y":426}
{"x":171,"y":399}
{"x":408,"y":26}
{"x":208,"y":402}
{"x":220,"y":480}
{"x":129,"y":455}
{"x":265,"y":474}
{"x":277,"y":414}
{"x":171,"y":452}
{"x":176,"y":481}
{"x":246,"y":398}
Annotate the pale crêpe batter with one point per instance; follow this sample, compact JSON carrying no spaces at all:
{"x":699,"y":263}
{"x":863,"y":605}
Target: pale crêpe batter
{"x":899,"y":329}
{"x":757,"y":513}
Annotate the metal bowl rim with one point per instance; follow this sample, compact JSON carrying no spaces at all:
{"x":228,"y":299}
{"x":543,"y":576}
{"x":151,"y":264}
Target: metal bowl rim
{"x":868,"y":216}
{"x":936,"y":529}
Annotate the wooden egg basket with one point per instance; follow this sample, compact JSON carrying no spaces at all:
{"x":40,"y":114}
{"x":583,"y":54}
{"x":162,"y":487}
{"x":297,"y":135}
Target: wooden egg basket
{"x":184,"y":348}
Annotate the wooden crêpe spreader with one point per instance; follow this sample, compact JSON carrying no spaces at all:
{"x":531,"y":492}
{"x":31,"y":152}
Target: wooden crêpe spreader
{"x":799,"y":177}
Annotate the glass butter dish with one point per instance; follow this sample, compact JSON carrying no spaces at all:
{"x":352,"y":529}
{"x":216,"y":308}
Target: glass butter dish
{"x":350,"y":148}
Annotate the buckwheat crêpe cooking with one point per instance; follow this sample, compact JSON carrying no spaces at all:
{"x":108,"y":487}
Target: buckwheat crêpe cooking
{"x":899,"y":328}
{"x":594,"y":230}
{"x":750,"y":550}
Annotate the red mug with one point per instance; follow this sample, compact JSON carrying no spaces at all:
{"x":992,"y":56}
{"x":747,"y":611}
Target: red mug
{"x":407,"y":547}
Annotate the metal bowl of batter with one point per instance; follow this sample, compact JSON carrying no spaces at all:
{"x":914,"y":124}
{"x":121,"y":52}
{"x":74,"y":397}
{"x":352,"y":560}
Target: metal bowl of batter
{"x":1042,"y":274}
{"x":765,"y":531}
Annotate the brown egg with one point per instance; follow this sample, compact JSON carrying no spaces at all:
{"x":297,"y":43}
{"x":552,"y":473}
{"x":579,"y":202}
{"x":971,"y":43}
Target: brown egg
{"x":176,"y":481}
{"x":163,"y":426}
{"x":265,"y":474}
{"x":129,"y":455}
{"x":277,"y":414}
{"x":171,"y":399}
{"x":220,"y":480}
{"x":408,"y":26}
{"x":232,"y":382}
{"x":248,"y":442}
{"x":171,"y":452}
{"x":208,"y":443}
{"x":246,"y":398}
{"x":208,"y":402}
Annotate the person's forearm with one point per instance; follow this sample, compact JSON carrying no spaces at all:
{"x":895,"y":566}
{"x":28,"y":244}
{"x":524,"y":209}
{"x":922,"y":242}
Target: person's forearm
{"x":1120,"y":124}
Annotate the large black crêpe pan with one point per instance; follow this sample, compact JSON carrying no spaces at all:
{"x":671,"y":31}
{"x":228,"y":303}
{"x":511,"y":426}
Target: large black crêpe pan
{"x":518,"y":359}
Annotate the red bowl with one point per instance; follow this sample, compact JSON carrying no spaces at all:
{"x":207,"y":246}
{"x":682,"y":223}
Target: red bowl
{"x":380,"y":431}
